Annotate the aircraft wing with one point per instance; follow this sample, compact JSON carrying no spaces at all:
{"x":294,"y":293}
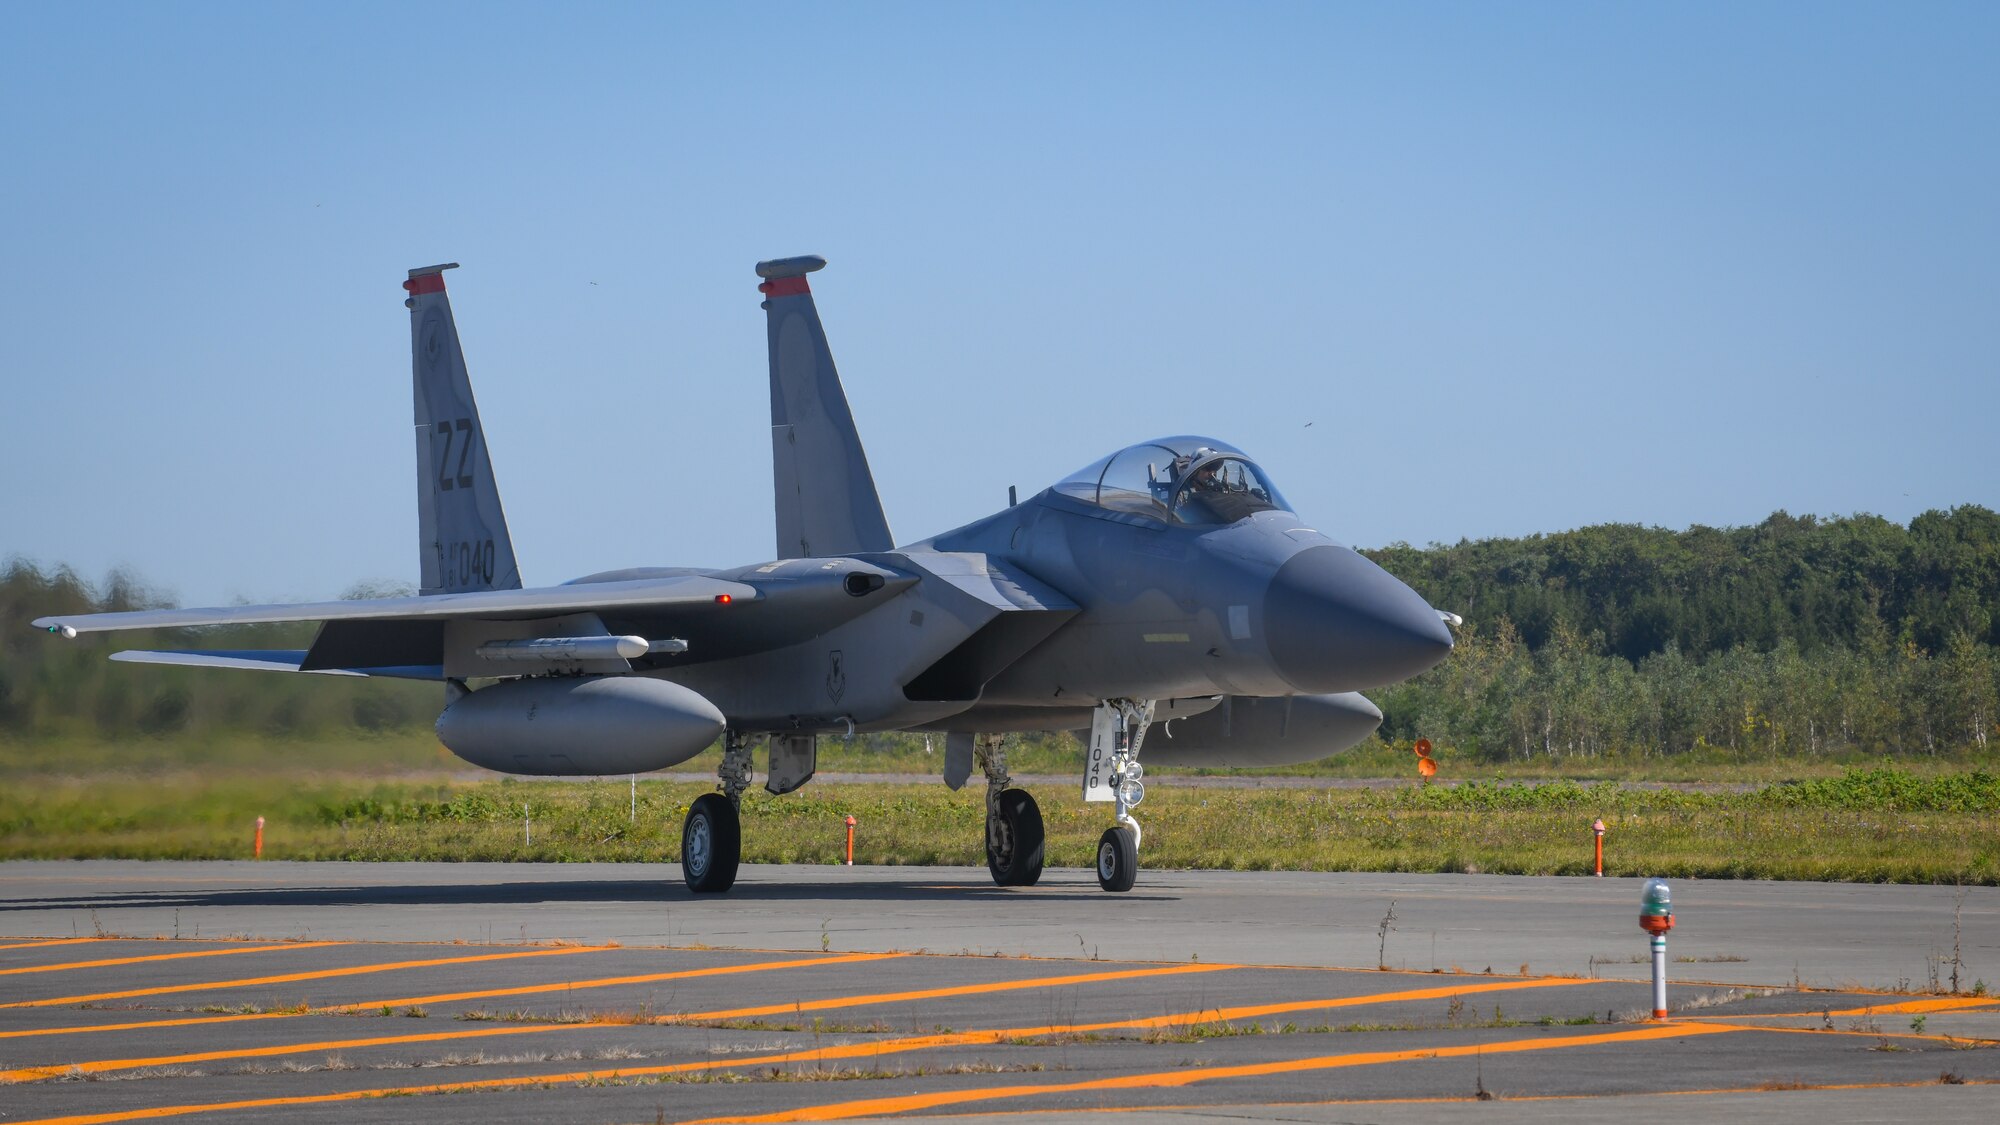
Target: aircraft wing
{"x":689,"y":616}
{"x":488,"y":605}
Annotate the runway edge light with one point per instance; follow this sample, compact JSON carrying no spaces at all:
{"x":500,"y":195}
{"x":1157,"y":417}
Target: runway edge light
{"x":1656,"y":917}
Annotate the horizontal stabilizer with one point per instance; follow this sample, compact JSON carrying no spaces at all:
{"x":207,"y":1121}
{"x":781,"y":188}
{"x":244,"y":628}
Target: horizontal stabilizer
{"x":499,"y":605}
{"x":267,"y":660}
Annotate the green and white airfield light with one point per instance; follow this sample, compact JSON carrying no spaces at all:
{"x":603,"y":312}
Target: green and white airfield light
{"x":1656,"y":917}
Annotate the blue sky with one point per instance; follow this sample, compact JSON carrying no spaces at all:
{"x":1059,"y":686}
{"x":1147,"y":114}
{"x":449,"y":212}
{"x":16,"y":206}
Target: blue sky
{"x":1523,"y":267}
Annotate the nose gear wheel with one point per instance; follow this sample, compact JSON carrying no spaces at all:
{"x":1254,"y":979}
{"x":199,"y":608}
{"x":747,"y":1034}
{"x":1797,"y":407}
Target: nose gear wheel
{"x":1117,"y":859}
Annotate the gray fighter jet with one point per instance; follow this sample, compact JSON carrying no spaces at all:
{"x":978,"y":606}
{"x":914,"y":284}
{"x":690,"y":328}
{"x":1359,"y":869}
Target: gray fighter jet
{"x":1165,"y":588}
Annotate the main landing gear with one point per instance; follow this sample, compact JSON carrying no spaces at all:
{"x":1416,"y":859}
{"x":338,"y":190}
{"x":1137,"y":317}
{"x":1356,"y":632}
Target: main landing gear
{"x":1112,"y":773}
{"x":712,"y":834}
{"x":1013,"y":820}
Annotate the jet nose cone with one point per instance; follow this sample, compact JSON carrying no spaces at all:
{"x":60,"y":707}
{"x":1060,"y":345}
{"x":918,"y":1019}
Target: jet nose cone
{"x":1336,"y":622}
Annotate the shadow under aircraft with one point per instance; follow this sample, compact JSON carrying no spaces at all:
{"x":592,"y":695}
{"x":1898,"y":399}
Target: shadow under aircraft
{"x":1168,"y":585}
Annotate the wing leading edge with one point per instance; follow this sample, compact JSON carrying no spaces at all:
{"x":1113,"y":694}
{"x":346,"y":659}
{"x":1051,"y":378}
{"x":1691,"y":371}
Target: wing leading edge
{"x":497,"y":605}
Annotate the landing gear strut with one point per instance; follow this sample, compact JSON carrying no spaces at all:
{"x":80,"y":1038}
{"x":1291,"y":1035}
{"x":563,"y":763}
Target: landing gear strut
{"x":1013,"y":820}
{"x":1112,"y":773}
{"x":712,"y":834}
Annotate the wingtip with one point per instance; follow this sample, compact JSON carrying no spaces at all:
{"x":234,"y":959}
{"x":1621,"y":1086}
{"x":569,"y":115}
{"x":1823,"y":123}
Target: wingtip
{"x":56,"y":626}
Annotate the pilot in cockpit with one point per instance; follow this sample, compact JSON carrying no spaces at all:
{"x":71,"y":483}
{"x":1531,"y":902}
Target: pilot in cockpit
{"x":1178,"y":480}
{"x":1203,"y":478}
{"x":1197,"y":485}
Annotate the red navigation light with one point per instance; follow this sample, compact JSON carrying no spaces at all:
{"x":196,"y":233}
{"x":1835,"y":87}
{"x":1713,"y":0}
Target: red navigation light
{"x":723,"y":599}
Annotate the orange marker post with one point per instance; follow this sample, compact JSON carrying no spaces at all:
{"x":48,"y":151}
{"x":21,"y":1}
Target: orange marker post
{"x":257,"y":848}
{"x":850,"y":841}
{"x":1597,"y":827}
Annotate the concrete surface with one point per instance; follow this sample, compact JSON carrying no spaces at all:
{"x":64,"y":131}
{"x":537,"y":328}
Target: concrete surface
{"x":323,"y":992}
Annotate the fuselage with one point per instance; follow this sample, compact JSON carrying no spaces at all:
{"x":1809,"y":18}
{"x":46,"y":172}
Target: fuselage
{"x":1029,"y":617}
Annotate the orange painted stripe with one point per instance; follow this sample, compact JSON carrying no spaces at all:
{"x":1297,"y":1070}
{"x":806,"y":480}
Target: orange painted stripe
{"x":409,"y":1001}
{"x":37,"y":1032}
{"x":95,"y":1066}
{"x":54,"y":941}
{"x":29,"y":1074}
{"x":442,"y":997}
{"x":1235,"y":1109}
{"x":609,"y":982}
{"x":870,"y":1049}
{"x":940,"y":993}
{"x":1906,"y":1007}
{"x":98,"y":1066}
{"x":1932,"y":1004}
{"x":1188,"y":1076}
{"x":1258,"y":1011}
{"x":1170,"y":1078}
{"x":168,"y":957}
{"x":55,"y":1070}
{"x":288,"y":978}
{"x":1955,"y":1040}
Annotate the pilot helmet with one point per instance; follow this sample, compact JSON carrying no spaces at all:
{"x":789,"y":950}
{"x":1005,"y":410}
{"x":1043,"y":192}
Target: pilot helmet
{"x":1186,"y":461}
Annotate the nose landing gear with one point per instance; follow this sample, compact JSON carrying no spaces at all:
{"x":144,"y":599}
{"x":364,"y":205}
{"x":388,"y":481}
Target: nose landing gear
{"x":1117,"y":858}
{"x":1112,"y":773}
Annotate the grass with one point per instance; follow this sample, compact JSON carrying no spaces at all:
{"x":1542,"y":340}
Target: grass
{"x":413,"y":753}
{"x":1874,"y":826}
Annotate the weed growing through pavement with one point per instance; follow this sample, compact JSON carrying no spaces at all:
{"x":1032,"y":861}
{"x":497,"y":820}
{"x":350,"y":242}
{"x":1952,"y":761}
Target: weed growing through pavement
{"x":1382,"y":935}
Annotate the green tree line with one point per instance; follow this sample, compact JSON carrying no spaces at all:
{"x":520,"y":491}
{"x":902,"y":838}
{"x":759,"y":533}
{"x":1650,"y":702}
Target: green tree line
{"x":1795,"y":637}
{"x":1798,"y":636}
{"x":53,"y":689}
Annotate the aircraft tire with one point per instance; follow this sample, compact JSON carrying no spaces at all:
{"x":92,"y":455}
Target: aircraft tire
{"x":711,"y":844}
{"x":1017,"y":862}
{"x":1117,"y":859}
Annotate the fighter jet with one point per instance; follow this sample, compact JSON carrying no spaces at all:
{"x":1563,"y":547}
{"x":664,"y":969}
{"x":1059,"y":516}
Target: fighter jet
{"x":1166,"y":588}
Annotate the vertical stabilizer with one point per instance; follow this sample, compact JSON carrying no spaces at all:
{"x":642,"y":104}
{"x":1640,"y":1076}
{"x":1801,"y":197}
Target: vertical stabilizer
{"x":827,"y":503}
{"x":463,"y":543}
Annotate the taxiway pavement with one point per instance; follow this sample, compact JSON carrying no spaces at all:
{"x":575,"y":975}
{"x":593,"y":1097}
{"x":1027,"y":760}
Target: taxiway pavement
{"x":324,"y":992}
{"x":1736,"y":932}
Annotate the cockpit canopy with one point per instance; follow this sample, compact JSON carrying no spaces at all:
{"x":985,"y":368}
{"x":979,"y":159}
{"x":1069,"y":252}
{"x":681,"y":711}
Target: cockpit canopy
{"x":1186,"y":480}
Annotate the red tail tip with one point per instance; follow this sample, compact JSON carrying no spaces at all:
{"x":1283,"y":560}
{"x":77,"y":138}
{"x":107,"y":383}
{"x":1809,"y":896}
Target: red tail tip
{"x":784,"y":287}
